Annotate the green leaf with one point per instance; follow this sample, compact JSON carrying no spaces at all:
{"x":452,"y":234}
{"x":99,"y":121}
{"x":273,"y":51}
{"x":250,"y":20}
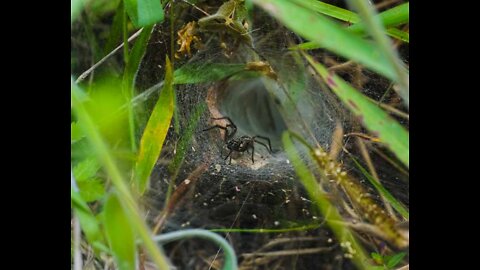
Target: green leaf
{"x":91,"y":189}
{"x":120,"y":233}
{"x":186,"y":137}
{"x":86,"y":169}
{"x":377,"y":258}
{"x":155,"y":131}
{"x":390,"y":18}
{"x":329,"y":10}
{"x":131,"y":71}
{"x":380,"y":124}
{"x":116,"y":30}
{"x":330,"y":35}
{"x":103,"y":154}
{"x":399,"y":34}
{"x":88,"y":222}
{"x":144,"y":12}
{"x":395,"y":259}
{"x":76,"y":132}
{"x":194,"y":73}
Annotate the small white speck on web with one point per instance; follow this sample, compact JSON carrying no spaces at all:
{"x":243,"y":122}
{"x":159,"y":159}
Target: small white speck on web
{"x":237,"y":189}
{"x":218,"y":167}
{"x":187,"y":181}
{"x":276,"y":223}
{"x":193,"y":149}
{"x":288,"y":161}
{"x":330,"y":240}
{"x":254,"y":216}
{"x":205,"y":204}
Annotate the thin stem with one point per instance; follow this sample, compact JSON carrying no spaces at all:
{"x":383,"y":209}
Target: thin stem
{"x":88,"y":71}
{"x":230,"y":257}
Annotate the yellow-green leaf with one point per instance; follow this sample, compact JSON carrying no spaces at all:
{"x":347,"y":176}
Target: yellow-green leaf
{"x":155,"y":131}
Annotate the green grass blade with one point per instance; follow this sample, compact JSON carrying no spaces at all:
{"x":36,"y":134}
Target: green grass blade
{"x":393,"y":32}
{"x":135,"y":57}
{"x":88,"y":222}
{"x":390,"y":18}
{"x":91,"y":187}
{"x":399,"y":34}
{"x":76,"y":8}
{"x":375,"y":28}
{"x":230,"y":262}
{"x":119,"y":233}
{"x":144,"y":12}
{"x":388,"y":196}
{"x":380,"y":124}
{"x":103,"y":154}
{"x":182,"y":146}
{"x":395,"y":259}
{"x":155,"y":131}
{"x":330,"y":35}
{"x":329,"y":10}
{"x":191,"y":74}
{"x":86,"y":169}
{"x":329,"y":211}
{"x":267,"y":230}
{"x":76,"y":133}
{"x":116,"y":30}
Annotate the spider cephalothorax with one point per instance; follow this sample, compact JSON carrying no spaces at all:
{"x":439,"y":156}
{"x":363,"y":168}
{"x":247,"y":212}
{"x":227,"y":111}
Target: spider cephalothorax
{"x":240,"y":144}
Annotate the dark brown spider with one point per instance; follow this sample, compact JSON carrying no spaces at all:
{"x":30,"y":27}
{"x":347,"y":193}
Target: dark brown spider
{"x":240,"y":144}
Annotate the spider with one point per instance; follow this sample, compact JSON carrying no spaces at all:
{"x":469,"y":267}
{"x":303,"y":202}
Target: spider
{"x":239,"y":144}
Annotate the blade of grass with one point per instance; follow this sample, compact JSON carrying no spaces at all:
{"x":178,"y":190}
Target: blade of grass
{"x":390,"y":18}
{"x":155,"y":132}
{"x":111,"y":168}
{"x":76,"y":8}
{"x":190,"y":74}
{"x":329,"y":34}
{"x":116,"y":29}
{"x":144,"y":12}
{"x":375,"y":28}
{"x":330,"y":212}
{"x":182,"y":146}
{"x":88,"y":222}
{"x":267,"y":230}
{"x":399,"y":34}
{"x":230,"y":262}
{"x":119,"y":233}
{"x":329,"y":10}
{"x":76,"y":133}
{"x":135,"y":57}
{"x":394,"y":202}
{"x":380,"y":124}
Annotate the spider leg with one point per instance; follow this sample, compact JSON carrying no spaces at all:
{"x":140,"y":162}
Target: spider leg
{"x":263,"y":145}
{"x":231,"y":124}
{"x":253,"y":152}
{"x":229,"y":156}
{"x":269,"y":148}
{"x":227,"y":134}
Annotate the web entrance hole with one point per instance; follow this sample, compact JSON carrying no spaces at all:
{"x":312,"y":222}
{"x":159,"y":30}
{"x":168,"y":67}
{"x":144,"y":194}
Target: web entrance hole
{"x":253,"y":110}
